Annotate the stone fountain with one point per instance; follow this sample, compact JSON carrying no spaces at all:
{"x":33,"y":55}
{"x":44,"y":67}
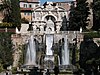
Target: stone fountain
{"x":47,"y":32}
{"x":49,"y":38}
{"x":31,"y":52}
{"x":48,"y":42}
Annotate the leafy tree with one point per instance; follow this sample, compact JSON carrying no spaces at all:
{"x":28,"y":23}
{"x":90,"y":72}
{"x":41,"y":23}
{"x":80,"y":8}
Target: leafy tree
{"x":88,"y":51}
{"x":98,"y":56}
{"x":5,"y":7}
{"x":16,"y":17}
{"x":73,"y":20}
{"x":11,"y":11}
{"x":96,"y":15}
{"x":6,"y":57}
{"x":78,"y":15}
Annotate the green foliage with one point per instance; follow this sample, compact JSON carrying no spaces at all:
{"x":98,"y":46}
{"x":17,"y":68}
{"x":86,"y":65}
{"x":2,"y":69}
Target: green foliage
{"x":6,"y":9}
{"x":88,"y":51}
{"x":98,"y":41}
{"x":16,"y":17}
{"x":90,"y":61}
{"x":96,"y":15}
{"x":6,"y":25}
{"x":78,"y":15}
{"x":92,"y":35}
{"x":73,"y":19}
{"x":96,"y":8}
{"x":77,"y":55}
{"x":21,"y":60}
{"x":1,"y":67}
{"x":56,"y":59}
{"x":14,"y":69}
{"x":11,"y":11}
{"x":6,"y":57}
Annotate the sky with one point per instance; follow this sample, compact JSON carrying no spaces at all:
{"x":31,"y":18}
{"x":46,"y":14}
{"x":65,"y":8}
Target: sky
{"x":43,"y":1}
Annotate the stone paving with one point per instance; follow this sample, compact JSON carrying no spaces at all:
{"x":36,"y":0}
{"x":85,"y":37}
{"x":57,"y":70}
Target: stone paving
{"x":9,"y":73}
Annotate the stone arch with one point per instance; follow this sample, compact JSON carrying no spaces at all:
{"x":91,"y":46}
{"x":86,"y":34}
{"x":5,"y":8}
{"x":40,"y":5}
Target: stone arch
{"x":50,"y":17}
{"x":50,"y":23}
{"x":43,"y":18}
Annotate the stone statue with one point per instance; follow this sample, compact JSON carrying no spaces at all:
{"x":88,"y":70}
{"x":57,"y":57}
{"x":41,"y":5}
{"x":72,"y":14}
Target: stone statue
{"x":58,"y":28}
{"x":41,"y":28}
{"x":34,"y":27}
{"x":50,"y":25}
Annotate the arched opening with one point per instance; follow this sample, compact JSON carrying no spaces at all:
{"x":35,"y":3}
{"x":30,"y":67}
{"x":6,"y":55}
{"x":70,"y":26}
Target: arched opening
{"x":50,"y":23}
{"x":49,"y":16}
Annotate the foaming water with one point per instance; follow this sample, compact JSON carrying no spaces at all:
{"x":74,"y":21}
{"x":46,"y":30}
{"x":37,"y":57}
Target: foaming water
{"x":65,"y":52}
{"x":31,"y":52}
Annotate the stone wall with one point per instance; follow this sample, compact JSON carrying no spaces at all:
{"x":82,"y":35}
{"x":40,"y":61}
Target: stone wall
{"x":21,"y":39}
{"x":18,"y":40}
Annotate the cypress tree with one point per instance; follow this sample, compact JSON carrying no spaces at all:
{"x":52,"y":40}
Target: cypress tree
{"x":16,"y":17}
{"x":79,"y":15}
{"x":96,"y":15}
{"x":73,"y":20}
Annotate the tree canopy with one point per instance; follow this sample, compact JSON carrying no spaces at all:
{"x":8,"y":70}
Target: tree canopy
{"x":96,"y":15}
{"x":6,"y":46}
{"x":79,"y":15}
{"x":16,"y":17}
{"x":11,"y":11}
{"x":6,"y":9}
{"x":88,"y":51}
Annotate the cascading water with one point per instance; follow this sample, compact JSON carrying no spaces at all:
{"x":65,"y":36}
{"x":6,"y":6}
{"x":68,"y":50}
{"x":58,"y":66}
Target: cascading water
{"x":31,"y":52}
{"x":65,"y":52}
{"x":49,"y":58}
{"x":49,"y":43}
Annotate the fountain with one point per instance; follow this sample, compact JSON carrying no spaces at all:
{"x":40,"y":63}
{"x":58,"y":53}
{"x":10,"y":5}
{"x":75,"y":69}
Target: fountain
{"x":49,"y":43}
{"x":49,"y":55}
{"x":65,"y":52}
{"x":31,"y":52}
{"x":50,"y":50}
{"x":49,"y":58}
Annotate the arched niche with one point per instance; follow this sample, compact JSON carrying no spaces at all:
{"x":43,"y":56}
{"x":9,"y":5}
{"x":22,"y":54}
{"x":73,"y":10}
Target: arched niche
{"x":43,"y":18}
{"x":50,"y":23}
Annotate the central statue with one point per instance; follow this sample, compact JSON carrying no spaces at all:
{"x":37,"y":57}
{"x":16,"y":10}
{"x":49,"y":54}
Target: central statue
{"x":50,"y":25}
